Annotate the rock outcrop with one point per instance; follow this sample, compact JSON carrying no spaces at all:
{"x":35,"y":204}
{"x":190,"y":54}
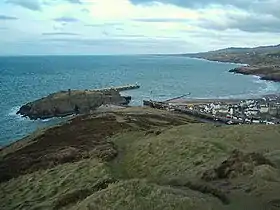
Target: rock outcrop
{"x":263,"y":61}
{"x":271,"y":73}
{"x":70,"y":102}
{"x":237,"y":164}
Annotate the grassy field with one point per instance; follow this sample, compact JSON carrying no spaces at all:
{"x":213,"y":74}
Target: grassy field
{"x":140,"y":158}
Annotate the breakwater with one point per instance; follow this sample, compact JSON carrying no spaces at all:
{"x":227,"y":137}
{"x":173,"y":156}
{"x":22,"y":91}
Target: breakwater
{"x":120,"y":88}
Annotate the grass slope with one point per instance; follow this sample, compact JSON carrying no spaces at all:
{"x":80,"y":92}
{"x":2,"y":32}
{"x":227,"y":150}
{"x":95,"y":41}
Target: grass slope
{"x":161,"y":162}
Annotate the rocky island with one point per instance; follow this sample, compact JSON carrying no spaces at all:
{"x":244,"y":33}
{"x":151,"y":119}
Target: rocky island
{"x":260,"y":61}
{"x":70,"y":102}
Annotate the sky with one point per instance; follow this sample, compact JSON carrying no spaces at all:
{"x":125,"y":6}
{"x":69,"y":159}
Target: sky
{"x":78,"y":27}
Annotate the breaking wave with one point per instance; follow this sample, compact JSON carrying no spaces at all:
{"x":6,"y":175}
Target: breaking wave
{"x":13,"y":113}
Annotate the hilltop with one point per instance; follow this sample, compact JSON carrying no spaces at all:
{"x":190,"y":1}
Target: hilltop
{"x":264,"y":55}
{"x":142,"y":158}
{"x":263,"y":61}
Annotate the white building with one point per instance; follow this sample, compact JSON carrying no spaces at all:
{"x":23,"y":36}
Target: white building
{"x":231,"y":111}
{"x":223,"y":110}
{"x":264,"y":109}
{"x":251,"y":112}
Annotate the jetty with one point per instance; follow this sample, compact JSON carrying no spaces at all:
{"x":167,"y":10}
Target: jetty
{"x":179,"y":97}
{"x":120,"y":88}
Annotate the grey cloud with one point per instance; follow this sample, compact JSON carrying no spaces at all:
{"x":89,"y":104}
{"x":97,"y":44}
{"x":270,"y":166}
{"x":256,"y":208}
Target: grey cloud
{"x":262,"y":15}
{"x":251,"y":23}
{"x":76,"y":46}
{"x":105,"y":33}
{"x":104,"y":24}
{"x":257,"y":24}
{"x":85,"y":10}
{"x":144,"y":42}
{"x":60,"y":34}
{"x":93,"y":25}
{"x":82,"y":41}
{"x":267,"y":7}
{"x":158,"y":20}
{"x":258,"y":6}
{"x":130,"y":36}
{"x":146,"y":37}
{"x":74,"y":1}
{"x":4,"y":17}
{"x":66,"y":19}
{"x":36,"y":5}
{"x":197,"y":3}
{"x":29,"y":4}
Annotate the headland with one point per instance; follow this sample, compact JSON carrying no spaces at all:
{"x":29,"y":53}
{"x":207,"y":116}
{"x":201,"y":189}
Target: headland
{"x":261,"y":61}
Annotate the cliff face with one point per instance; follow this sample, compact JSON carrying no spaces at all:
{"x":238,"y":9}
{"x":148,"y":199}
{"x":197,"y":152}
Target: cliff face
{"x":71,"y":102}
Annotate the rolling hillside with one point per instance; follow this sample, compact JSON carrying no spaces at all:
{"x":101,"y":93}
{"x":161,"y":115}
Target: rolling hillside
{"x":140,"y":158}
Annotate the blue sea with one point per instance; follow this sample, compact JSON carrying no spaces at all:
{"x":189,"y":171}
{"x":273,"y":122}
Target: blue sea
{"x":23,"y":79}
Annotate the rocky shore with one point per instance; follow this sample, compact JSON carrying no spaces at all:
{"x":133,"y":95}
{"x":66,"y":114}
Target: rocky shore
{"x":271,"y":73}
{"x":70,"y":102}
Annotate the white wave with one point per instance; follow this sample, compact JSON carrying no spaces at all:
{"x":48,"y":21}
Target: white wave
{"x":271,"y":87}
{"x":266,"y":87}
{"x":47,"y":120}
{"x":257,"y":79}
{"x":13,"y":113}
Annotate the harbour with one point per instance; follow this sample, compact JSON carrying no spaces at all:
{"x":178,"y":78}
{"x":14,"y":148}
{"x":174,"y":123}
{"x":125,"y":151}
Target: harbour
{"x":265,"y":110}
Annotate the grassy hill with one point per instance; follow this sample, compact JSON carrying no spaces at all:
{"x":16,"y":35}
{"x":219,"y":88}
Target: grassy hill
{"x":263,"y":61}
{"x":140,"y":158}
{"x":253,"y":56}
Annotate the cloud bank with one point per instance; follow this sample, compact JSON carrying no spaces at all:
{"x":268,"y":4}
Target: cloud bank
{"x":135,"y":26}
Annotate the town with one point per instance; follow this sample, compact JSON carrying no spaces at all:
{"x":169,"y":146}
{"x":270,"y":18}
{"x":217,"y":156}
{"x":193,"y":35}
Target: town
{"x":265,"y":110}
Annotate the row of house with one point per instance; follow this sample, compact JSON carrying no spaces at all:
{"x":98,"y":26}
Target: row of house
{"x":248,"y":111}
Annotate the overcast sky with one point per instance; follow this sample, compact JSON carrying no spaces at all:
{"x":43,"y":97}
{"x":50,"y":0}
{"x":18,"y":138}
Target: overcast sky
{"x":135,"y":26}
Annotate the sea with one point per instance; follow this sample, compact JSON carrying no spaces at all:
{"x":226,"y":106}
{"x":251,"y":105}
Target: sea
{"x":24,"y":79}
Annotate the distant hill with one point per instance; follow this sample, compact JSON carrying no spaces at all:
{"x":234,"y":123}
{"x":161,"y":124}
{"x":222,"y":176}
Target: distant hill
{"x":263,"y":55}
{"x":240,"y":50}
{"x":263,"y":61}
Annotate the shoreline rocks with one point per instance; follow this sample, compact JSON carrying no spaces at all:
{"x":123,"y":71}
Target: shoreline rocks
{"x":263,"y":60}
{"x":70,"y":102}
{"x":270,"y":73}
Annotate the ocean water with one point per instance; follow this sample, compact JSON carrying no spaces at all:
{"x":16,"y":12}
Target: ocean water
{"x":23,"y":79}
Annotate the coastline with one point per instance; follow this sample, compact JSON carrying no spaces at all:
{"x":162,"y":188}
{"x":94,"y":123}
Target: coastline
{"x":222,"y":100}
{"x":261,"y":64}
{"x":265,"y":72}
{"x":206,"y":63}
{"x":221,"y":61}
{"x":247,"y":69}
{"x":262,"y":110}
